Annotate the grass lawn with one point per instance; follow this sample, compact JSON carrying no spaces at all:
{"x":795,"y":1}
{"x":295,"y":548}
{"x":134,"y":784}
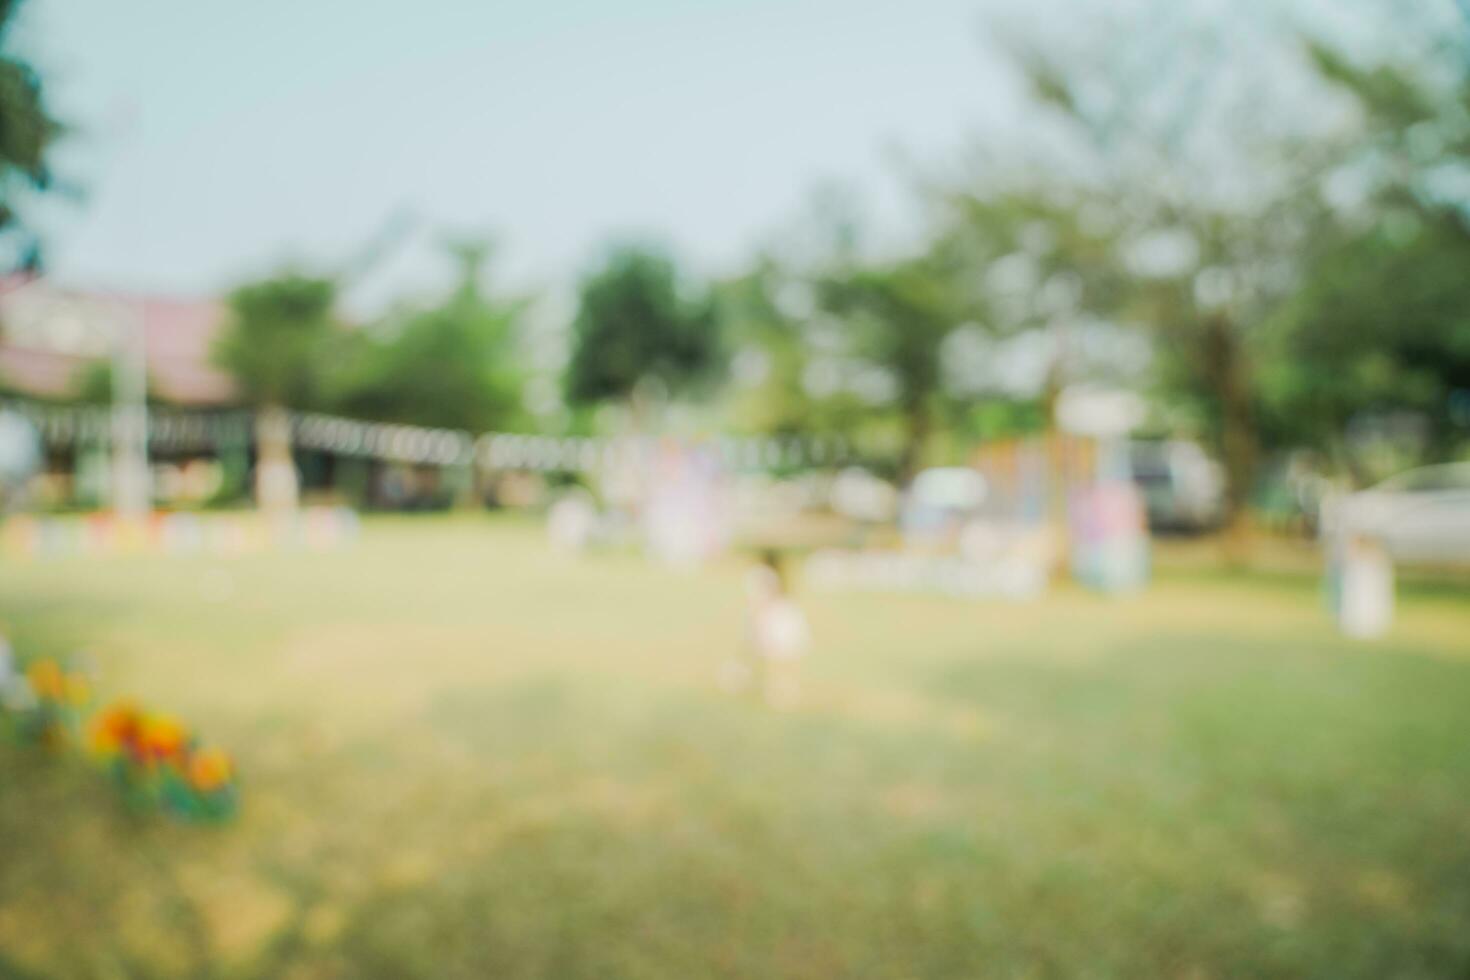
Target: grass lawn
{"x":463,"y":756}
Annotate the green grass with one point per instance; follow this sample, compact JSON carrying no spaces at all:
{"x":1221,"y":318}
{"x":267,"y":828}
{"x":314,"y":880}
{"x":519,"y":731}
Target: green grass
{"x":463,"y":756}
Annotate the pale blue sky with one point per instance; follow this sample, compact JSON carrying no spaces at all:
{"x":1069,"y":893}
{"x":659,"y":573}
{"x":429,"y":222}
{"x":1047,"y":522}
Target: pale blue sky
{"x":216,"y":140}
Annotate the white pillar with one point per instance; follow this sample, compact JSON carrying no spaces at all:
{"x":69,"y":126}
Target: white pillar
{"x":277,"y":490}
{"x":131,"y":493}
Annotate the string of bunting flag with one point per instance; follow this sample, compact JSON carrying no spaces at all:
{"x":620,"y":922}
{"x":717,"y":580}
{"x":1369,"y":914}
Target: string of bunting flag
{"x":179,"y":430}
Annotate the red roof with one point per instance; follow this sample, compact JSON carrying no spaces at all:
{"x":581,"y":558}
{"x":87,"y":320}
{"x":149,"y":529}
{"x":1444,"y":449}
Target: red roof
{"x":179,"y":334}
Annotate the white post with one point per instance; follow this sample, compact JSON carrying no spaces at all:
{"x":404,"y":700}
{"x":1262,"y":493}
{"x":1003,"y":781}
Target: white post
{"x":131,"y":497}
{"x":277,"y":491}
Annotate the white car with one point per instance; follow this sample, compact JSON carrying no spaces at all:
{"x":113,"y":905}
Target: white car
{"x":1422,"y":515}
{"x":1183,"y":488}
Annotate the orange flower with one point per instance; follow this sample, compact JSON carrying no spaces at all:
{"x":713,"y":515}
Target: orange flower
{"x":162,"y":737}
{"x":116,"y":728}
{"x":209,"y":769}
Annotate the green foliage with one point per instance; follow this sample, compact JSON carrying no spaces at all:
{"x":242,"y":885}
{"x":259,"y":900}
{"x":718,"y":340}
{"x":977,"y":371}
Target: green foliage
{"x":897,"y":317}
{"x":1003,"y":418}
{"x":92,"y":384}
{"x":634,"y":322}
{"x":27,"y":132}
{"x":1068,"y":234}
{"x":1381,"y":320}
{"x":1380,"y":324}
{"x":453,"y":366}
{"x":277,"y":343}
{"x":1388,"y":95}
{"x":755,"y":326}
{"x":1181,"y":208}
{"x":758,"y":324}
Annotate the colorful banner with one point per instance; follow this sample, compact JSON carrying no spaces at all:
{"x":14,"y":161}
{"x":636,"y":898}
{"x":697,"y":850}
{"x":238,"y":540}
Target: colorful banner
{"x":32,"y":537}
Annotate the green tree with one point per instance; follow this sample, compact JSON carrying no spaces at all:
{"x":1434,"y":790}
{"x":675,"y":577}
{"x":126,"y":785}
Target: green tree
{"x":1210,"y":181}
{"x":276,"y":346}
{"x":766,"y":319}
{"x":1028,"y":260}
{"x":635,"y":323}
{"x":1382,"y":321}
{"x":792,"y":363}
{"x":1030,"y":264}
{"x":898,"y":316}
{"x":455,"y":365}
{"x":27,"y":133}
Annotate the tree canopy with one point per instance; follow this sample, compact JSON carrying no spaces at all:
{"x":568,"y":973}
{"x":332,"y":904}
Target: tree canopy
{"x":277,"y":342}
{"x":635,"y":320}
{"x":27,"y":133}
{"x":454,"y":365}
{"x":899,"y":315}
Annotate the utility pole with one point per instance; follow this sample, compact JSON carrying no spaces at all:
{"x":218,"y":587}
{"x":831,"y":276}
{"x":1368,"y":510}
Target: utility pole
{"x":131,"y":496}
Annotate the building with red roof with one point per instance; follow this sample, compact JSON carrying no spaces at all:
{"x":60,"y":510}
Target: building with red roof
{"x":50,"y":335}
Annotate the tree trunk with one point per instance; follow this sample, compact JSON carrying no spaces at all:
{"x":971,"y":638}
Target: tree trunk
{"x":1228,"y":374}
{"x":919,"y":426}
{"x":276,"y":487}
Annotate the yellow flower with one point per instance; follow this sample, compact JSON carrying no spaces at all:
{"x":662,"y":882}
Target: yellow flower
{"x":78,"y":690}
{"x":46,"y":680}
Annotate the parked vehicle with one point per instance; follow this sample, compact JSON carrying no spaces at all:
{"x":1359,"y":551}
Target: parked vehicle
{"x":1422,"y":515}
{"x":1183,"y":488}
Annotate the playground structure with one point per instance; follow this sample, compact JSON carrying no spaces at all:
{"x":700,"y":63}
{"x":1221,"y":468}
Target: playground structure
{"x":1004,"y":526}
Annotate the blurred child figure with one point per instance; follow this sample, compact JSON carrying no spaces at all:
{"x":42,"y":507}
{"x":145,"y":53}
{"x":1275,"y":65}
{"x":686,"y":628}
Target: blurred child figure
{"x":571,"y":523}
{"x":777,"y":637}
{"x":1364,"y":588}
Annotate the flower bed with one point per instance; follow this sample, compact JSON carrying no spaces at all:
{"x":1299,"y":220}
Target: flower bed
{"x":154,"y":759}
